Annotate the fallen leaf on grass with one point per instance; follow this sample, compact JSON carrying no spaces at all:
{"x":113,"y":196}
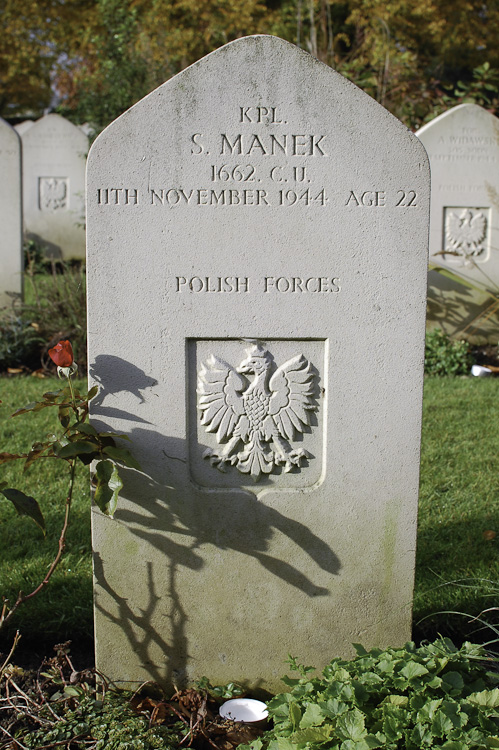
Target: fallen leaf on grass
{"x":489,"y":535}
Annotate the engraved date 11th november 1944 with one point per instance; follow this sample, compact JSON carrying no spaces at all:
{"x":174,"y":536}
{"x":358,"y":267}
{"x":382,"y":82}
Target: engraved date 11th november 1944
{"x":246,"y":196}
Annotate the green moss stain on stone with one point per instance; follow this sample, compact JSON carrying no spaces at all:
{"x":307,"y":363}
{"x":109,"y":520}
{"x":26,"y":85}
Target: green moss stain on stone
{"x":389,"y":540}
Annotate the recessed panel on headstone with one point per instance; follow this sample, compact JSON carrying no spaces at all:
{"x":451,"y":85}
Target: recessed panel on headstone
{"x":54,"y":156}
{"x":463,"y":148}
{"x":257,"y":256}
{"x":11,"y":245}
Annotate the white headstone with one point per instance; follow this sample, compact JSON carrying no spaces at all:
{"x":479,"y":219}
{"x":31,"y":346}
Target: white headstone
{"x":257,"y":256}
{"x":54,"y":154}
{"x":11,"y":240}
{"x":463,"y":148}
{"x":22,"y":127}
{"x":87,"y":129}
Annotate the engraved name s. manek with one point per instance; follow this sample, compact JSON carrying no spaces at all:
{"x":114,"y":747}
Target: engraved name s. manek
{"x":264,"y":415}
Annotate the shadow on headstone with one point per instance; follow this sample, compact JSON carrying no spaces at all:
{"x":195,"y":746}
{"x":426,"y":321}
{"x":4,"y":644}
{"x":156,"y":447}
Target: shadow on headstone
{"x":50,"y":249}
{"x":460,"y":310}
{"x":158,"y":513}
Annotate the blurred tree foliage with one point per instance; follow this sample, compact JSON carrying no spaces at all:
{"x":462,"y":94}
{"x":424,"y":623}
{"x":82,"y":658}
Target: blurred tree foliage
{"x":101,"y":56}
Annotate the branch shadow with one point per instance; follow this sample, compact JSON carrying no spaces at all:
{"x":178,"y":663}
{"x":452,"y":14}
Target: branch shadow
{"x":178,"y":526}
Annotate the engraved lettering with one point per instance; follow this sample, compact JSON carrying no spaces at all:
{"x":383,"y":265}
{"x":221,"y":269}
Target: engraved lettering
{"x":369,"y":198}
{"x":313,"y":285}
{"x":211,"y":285}
{"x":256,"y":143}
{"x":281,"y":145}
{"x":270,"y":145}
{"x":259,"y":115}
{"x":316,"y":145}
{"x":131,"y":196}
{"x":108,"y":196}
{"x":274,"y":119}
{"x":299,"y":142}
{"x":156,"y":195}
{"x":308,"y":285}
{"x":300,"y":174}
{"x":274,"y":176}
{"x":232,"y":146}
{"x":197,"y":147}
{"x":406,"y":199}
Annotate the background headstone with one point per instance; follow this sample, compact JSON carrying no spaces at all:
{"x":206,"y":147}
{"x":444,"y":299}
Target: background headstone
{"x":259,"y":213}
{"x":22,"y":127}
{"x":54,"y":154}
{"x":11,"y":244}
{"x":463,"y":148}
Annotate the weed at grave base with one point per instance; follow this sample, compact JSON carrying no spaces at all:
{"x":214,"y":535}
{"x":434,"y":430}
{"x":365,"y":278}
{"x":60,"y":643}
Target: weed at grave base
{"x":60,"y":706}
{"x":405,"y":698}
{"x":433,"y":696}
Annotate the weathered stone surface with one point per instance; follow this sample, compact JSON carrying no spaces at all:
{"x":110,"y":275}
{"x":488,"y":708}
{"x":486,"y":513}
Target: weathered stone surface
{"x":258,"y":196}
{"x":463,"y":148}
{"x":11,"y":246}
{"x":54,"y":154}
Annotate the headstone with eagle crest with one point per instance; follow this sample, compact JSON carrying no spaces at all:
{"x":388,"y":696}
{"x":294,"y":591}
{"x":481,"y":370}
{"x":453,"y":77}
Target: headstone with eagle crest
{"x":54,"y":159}
{"x":257,"y":254}
{"x":463,"y":148}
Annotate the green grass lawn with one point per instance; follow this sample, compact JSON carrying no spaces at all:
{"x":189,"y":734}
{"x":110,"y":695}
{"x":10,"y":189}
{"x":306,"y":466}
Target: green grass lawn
{"x":63,"y":610}
{"x":458,"y":503}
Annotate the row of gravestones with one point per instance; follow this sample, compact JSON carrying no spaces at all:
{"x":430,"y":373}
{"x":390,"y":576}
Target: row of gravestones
{"x":257,"y":235}
{"x":463,"y":147}
{"x":44,"y":162}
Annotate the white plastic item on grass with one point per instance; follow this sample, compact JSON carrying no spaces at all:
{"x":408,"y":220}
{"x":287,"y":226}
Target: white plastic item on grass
{"x":246,"y":710}
{"x":479,"y":371}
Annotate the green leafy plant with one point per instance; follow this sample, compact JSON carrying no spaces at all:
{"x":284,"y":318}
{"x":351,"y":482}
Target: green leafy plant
{"x":443,"y":356}
{"x":77,"y":441}
{"x":20,"y":341}
{"x":409,"y":698}
{"x":480,"y":88}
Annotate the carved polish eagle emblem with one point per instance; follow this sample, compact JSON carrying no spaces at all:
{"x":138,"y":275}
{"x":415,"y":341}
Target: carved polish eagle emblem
{"x":53,"y":193}
{"x":256,"y":412}
{"x":465,"y":233}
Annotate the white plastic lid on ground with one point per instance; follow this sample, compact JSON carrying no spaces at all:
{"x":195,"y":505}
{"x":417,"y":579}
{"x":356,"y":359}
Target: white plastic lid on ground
{"x":479,"y":371}
{"x":246,"y":710}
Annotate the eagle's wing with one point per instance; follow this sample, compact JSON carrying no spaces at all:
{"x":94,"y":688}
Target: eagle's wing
{"x":219,"y":397}
{"x":453,"y":229}
{"x":291,"y":400}
{"x":477,"y":228}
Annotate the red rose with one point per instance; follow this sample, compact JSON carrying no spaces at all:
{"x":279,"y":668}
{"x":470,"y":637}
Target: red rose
{"x":62,"y":354}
